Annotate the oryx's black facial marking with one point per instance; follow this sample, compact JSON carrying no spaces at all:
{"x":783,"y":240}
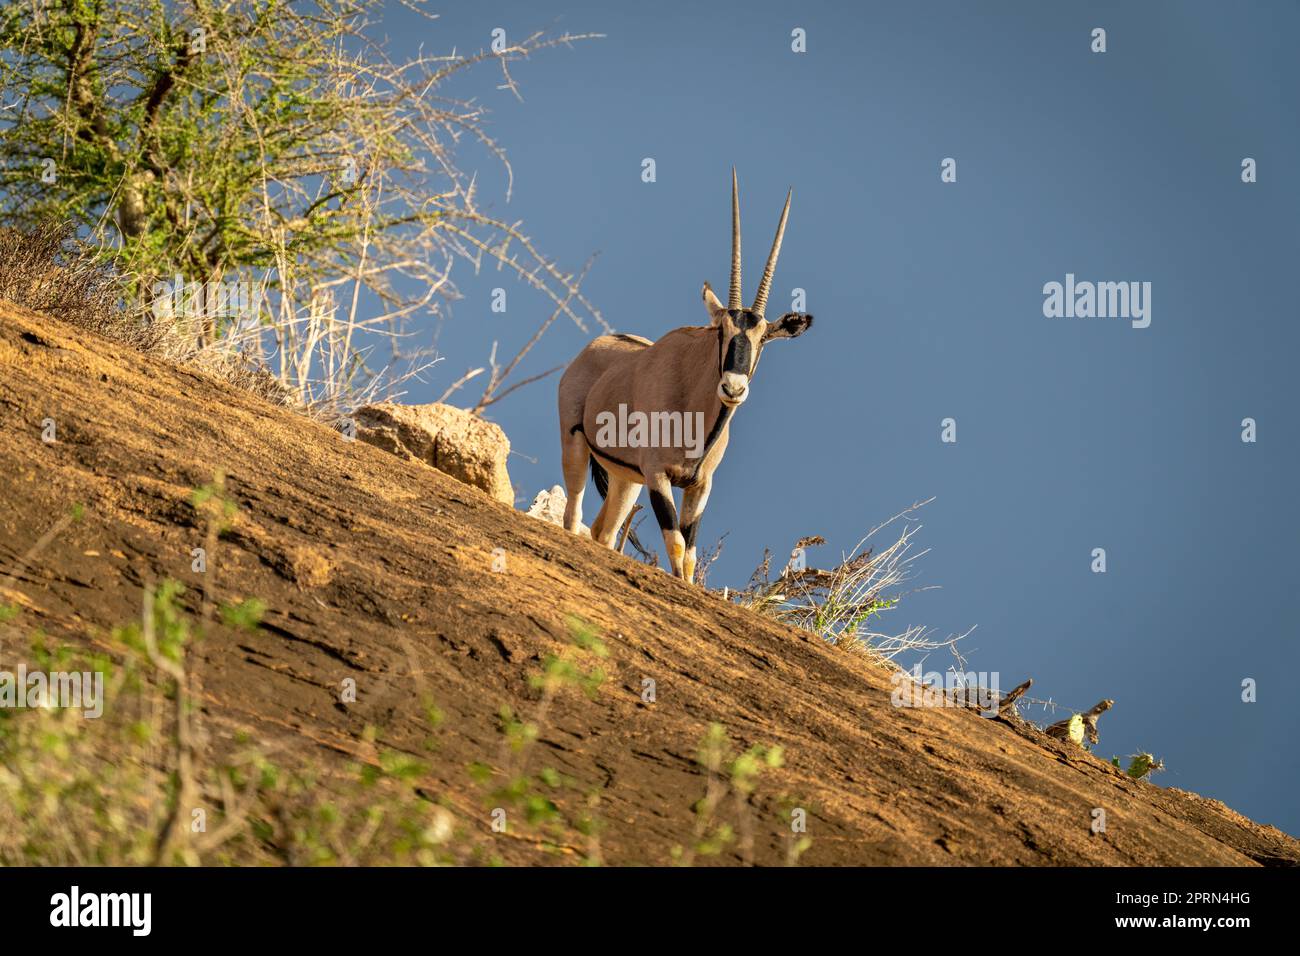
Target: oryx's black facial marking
{"x":738,"y":354}
{"x":665,"y":511}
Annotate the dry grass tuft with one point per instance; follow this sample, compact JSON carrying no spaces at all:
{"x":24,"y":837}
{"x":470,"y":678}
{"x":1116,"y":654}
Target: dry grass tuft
{"x":46,"y":270}
{"x":49,"y":270}
{"x":843,"y":604}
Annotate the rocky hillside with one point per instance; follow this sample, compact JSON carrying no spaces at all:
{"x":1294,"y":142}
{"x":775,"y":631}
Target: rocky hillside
{"x":382,"y":571}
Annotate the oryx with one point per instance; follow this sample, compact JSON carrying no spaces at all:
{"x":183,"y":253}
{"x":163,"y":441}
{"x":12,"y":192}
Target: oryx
{"x":658,"y":413}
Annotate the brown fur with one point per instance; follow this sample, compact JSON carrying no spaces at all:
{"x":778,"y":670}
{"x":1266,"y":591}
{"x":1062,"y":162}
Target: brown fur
{"x":677,"y":373}
{"x":681,"y":373}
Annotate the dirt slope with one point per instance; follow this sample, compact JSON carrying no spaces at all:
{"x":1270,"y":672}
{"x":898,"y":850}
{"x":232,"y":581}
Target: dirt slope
{"x":381,"y":570}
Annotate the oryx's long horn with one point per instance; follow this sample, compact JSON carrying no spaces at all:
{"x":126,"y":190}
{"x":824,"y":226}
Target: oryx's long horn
{"x":765,"y":286}
{"x":733,"y":300}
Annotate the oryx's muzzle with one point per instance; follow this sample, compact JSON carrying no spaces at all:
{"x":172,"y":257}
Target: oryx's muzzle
{"x":733,"y":389}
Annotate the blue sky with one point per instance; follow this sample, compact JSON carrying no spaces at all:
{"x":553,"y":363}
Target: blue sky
{"x":1073,"y":434}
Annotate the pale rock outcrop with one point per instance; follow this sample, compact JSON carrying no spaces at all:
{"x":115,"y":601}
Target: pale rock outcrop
{"x":549,"y":506}
{"x":449,"y":439}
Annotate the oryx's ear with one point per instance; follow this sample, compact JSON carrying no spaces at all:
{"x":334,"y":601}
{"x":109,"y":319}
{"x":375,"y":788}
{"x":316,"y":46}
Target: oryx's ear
{"x":716,"y":309}
{"x":788,"y":326}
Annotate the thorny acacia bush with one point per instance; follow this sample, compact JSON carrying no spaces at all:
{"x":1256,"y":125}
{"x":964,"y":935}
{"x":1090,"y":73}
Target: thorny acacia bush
{"x":279,"y":145}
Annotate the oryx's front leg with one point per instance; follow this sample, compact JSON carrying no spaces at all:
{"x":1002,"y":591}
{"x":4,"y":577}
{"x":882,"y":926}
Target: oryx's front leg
{"x":694,"y":499}
{"x":661,"y":500}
